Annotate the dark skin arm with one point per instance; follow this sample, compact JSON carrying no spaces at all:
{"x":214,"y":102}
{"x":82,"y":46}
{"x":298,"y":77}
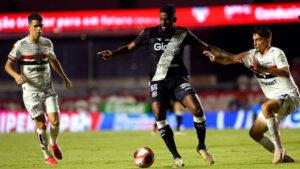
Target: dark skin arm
{"x":121,"y":51}
{"x":217,"y":55}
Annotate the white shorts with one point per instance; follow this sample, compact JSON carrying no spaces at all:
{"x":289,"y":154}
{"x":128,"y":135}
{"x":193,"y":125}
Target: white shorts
{"x":288,"y":105}
{"x":38,"y":102}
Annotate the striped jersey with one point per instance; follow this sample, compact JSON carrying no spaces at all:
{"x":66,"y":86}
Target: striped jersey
{"x":273,"y":86}
{"x":33,"y":59}
{"x":166,"y":51}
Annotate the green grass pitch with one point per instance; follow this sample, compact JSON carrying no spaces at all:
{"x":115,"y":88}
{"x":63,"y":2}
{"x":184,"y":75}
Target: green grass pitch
{"x":233,"y":149}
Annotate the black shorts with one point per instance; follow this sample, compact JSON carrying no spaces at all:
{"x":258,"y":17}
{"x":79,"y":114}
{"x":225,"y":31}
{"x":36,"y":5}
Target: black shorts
{"x":175,"y":89}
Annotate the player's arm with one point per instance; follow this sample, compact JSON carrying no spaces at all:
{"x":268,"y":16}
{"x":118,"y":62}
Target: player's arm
{"x":216,"y":54}
{"x":59,"y":70}
{"x":121,"y":51}
{"x":9,"y":68}
{"x":282,"y":72}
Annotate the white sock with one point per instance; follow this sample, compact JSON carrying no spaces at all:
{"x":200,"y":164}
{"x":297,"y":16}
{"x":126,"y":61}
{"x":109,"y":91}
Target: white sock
{"x":54,"y":130}
{"x":267,"y":143}
{"x":43,"y":140}
{"x":272,"y":126}
{"x":161,"y":124}
{"x":199,"y":119}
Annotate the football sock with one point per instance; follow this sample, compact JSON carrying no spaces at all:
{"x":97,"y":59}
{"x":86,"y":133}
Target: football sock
{"x":267,"y":143}
{"x":54,"y":130}
{"x":168,"y":137}
{"x":200,"y":126}
{"x":272,"y":126}
{"x":179,"y":119}
{"x":43,"y":140}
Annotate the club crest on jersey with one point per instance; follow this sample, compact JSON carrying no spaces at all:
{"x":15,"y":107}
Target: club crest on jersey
{"x":38,"y":58}
{"x":282,"y":58}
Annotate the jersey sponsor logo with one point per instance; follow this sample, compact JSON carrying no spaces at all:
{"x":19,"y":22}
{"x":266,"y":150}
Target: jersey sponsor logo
{"x":38,"y":69}
{"x":163,"y":47}
{"x":169,"y":51}
{"x":269,"y":83}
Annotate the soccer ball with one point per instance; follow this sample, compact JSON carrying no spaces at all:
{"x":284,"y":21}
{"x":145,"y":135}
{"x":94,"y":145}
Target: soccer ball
{"x":143,"y":157}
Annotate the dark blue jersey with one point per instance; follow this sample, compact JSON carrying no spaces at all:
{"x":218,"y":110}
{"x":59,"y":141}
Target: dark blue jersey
{"x":166,"y":51}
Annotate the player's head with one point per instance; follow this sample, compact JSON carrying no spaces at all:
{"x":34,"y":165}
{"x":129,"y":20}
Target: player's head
{"x":262,"y":38}
{"x":35,"y":25}
{"x":167,"y":17}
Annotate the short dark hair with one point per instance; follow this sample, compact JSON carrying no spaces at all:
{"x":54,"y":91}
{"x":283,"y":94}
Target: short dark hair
{"x":169,"y":9}
{"x":34,"y":16}
{"x":263,"y":31}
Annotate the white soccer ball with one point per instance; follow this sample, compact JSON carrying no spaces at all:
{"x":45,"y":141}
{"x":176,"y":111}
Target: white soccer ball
{"x":143,"y":157}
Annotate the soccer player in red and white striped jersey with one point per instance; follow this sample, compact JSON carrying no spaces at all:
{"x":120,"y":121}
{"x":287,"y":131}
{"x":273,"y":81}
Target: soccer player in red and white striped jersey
{"x":271,"y":69}
{"x":34,"y":53}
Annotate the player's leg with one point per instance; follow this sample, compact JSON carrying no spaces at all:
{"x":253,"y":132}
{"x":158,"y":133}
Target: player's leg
{"x":289,"y":104}
{"x":268,"y":109}
{"x":52,"y":109}
{"x":160,"y":110}
{"x":192,"y":102}
{"x":257,"y":133}
{"x":178,"y":111}
{"x":154,"y":129}
{"x":54,"y":131}
{"x":42,"y":137}
{"x":34,"y":105}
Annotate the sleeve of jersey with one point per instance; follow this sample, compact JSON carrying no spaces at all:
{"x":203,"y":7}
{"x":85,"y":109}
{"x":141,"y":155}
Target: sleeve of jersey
{"x":14,"y":54}
{"x":281,"y":60}
{"x":51,"y":51}
{"x":141,"y":39}
{"x":192,"y":39}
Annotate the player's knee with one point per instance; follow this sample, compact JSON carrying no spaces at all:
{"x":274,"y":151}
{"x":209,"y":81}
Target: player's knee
{"x":54,"y":122}
{"x":266,"y":110}
{"x":254,"y":135}
{"x":159,"y":117}
{"x":41,"y":126}
{"x":251,"y":134}
{"x":197,"y":110}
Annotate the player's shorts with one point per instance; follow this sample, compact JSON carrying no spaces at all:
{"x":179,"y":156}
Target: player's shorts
{"x":38,"y":102}
{"x":288,"y":104}
{"x":175,"y":89}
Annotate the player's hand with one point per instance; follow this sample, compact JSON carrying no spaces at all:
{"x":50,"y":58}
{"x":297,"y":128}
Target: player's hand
{"x":106,"y":54}
{"x":210,"y":55}
{"x":257,"y":65}
{"x":20,"y":79}
{"x":68,"y":83}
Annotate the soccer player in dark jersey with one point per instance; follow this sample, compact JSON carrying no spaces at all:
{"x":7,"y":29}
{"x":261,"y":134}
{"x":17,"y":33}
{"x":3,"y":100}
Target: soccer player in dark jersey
{"x":168,"y":76}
